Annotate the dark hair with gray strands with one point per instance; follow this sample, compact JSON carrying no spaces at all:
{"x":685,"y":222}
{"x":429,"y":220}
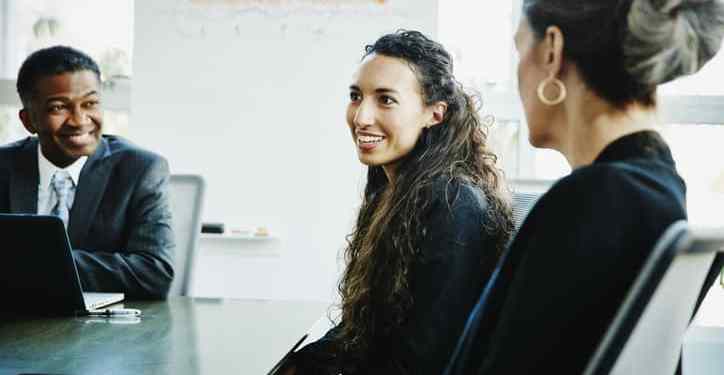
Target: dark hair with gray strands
{"x":671,"y":38}
{"x":625,"y":48}
{"x":51,"y":61}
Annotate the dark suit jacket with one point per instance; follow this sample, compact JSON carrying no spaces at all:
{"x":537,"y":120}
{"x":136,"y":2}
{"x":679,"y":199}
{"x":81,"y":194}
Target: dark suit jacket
{"x":120,"y":222}
{"x":573,"y":261}
{"x":456,"y":259}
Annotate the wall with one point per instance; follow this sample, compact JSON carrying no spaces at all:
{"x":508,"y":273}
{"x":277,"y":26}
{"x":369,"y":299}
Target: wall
{"x":253,"y":97}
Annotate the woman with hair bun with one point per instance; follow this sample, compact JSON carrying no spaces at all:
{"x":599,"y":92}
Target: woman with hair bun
{"x":587,"y":77}
{"x":433,"y":221}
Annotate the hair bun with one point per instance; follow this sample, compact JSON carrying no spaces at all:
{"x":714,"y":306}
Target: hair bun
{"x":667,"y":39}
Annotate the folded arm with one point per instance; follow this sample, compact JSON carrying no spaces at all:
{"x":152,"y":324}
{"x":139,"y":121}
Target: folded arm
{"x":143,"y":269}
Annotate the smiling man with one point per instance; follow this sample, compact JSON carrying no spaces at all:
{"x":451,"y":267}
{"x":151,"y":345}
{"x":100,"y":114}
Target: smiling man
{"x":111,"y":195}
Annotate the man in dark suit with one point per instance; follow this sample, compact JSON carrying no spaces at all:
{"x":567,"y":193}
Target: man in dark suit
{"x":112,"y":196}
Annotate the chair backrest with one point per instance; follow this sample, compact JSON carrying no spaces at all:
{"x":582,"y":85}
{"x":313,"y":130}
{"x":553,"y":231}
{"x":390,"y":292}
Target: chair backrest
{"x":646,"y":334}
{"x":522,"y":204}
{"x":187,"y":196}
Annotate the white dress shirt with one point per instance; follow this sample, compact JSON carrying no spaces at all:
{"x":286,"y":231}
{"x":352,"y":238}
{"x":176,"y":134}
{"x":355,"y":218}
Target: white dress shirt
{"x":47,"y":198}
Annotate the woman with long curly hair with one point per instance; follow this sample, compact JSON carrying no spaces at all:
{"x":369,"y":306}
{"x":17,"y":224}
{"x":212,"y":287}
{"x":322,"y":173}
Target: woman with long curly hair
{"x":433,"y":220}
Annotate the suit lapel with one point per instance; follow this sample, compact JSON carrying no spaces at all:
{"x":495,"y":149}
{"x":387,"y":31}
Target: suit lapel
{"x":24,"y":180}
{"x":91,"y":185}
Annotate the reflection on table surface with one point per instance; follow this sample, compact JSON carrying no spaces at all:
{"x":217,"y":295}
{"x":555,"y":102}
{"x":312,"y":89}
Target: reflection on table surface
{"x":180,"y":336}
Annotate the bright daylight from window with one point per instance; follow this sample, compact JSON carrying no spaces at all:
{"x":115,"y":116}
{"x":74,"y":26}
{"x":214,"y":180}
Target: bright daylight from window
{"x":103,"y":29}
{"x":479,"y":34}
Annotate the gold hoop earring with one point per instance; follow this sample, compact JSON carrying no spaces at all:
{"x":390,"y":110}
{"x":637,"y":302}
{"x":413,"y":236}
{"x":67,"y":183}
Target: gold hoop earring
{"x":561,"y":91}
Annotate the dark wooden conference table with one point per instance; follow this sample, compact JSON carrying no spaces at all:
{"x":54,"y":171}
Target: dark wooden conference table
{"x":180,"y":336}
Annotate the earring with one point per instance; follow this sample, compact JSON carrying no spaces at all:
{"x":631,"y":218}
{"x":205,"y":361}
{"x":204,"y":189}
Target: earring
{"x":561,"y":91}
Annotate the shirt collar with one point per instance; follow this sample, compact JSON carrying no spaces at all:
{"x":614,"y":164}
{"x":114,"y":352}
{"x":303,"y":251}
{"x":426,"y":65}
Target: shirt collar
{"x":46,"y":169}
{"x":646,"y":144}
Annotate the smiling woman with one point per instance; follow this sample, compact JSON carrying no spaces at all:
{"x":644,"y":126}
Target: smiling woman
{"x":386,"y":113}
{"x":433,"y":220}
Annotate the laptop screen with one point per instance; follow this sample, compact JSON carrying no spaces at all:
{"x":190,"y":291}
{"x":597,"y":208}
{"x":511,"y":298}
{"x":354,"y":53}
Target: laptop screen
{"x":37,"y":271}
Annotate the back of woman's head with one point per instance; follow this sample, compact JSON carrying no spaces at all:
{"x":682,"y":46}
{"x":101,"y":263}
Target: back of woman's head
{"x":625,"y":48}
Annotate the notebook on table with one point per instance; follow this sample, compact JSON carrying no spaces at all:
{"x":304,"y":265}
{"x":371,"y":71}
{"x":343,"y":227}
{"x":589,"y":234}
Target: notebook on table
{"x":38,"y":275}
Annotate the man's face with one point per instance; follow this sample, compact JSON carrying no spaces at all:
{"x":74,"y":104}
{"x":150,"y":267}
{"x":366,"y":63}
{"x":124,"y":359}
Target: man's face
{"x":66,"y":115}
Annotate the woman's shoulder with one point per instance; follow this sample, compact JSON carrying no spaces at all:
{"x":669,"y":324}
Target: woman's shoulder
{"x":458,"y":192}
{"x":606,"y":185}
{"x":455,"y":219}
{"x":633,"y":177}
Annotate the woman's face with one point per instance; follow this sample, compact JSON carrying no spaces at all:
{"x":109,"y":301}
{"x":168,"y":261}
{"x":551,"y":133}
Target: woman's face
{"x":386,"y":112}
{"x":530,"y":74}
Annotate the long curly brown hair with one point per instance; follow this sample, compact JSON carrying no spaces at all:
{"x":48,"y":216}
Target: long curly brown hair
{"x":375,"y":286}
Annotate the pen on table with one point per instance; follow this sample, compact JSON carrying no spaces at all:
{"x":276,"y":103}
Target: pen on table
{"x":114,"y":312}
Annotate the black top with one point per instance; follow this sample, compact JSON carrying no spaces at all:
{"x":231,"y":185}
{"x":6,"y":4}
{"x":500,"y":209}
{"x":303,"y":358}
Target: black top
{"x":457,"y":258}
{"x":570,"y":266}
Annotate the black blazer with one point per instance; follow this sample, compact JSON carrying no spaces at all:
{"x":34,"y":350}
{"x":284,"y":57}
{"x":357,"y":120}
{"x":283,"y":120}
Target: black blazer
{"x":120,"y":222}
{"x":457,"y":257}
{"x":572,"y":262}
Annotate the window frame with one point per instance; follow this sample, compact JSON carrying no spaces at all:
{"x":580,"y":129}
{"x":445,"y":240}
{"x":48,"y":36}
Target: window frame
{"x":5,"y":27}
{"x":116,"y":92}
{"x":505,"y":106}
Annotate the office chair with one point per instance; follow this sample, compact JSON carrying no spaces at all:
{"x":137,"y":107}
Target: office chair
{"x":186,"y":196}
{"x":522,"y":204}
{"x":646,"y":334}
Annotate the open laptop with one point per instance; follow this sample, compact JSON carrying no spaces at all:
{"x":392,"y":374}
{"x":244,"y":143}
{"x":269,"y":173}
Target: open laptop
{"x":38,"y":275}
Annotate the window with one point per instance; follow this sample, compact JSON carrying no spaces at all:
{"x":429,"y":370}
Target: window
{"x":700,"y":161}
{"x":480,"y":37}
{"x":479,"y":34}
{"x":10,"y":127}
{"x":103,"y":29}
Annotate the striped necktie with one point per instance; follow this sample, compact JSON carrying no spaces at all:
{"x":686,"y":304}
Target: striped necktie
{"x":62,"y":185}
